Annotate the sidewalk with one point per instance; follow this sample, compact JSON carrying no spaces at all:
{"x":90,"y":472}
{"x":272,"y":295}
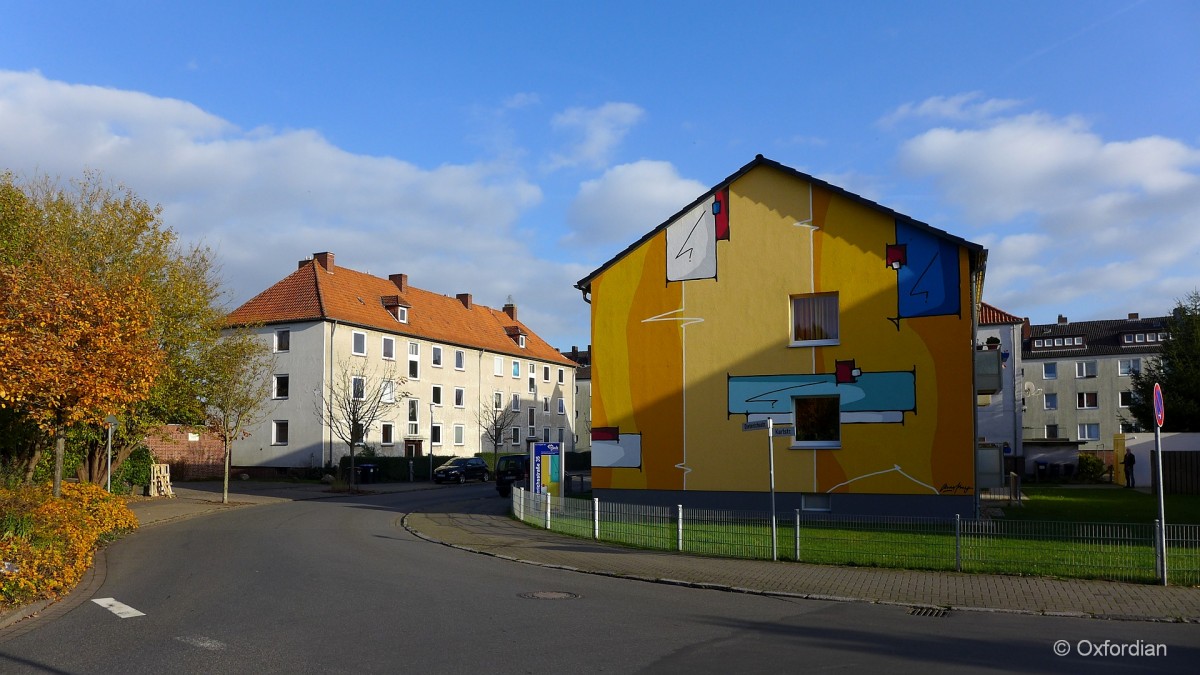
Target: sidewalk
{"x":483,"y":526}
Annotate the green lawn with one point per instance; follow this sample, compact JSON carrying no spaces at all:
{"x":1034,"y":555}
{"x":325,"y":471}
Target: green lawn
{"x":1102,"y":505}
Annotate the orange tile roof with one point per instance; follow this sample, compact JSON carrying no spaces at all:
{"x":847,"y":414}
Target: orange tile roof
{"x":990,"y":316}
{"x":314,"y":293}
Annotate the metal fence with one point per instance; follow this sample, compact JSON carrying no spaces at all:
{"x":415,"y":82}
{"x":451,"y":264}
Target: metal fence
{"x":1113,"y":551}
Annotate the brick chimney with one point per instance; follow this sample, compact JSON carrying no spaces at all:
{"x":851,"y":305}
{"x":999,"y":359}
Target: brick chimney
{"x":511,"y":310}
{"x":1133,"y":316}
{"x":324,"y":260}
{"x":1062,"y":320}
{"x":401,"y":281}
{"x":465,"y":299}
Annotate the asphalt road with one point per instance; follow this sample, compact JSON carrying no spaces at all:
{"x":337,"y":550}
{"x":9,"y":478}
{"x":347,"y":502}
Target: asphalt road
{"x":338,"y":586}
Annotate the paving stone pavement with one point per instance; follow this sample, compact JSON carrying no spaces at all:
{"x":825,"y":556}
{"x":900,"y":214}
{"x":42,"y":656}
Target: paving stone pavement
{"x":482,"y":525}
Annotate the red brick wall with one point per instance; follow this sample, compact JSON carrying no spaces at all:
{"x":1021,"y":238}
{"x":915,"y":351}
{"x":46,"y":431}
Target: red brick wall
{"x":189,"y":459}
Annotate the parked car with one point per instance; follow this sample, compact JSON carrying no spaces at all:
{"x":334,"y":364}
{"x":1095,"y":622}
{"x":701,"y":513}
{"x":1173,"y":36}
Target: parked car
{"x":462,"y":469}
{"x":511,"y":469}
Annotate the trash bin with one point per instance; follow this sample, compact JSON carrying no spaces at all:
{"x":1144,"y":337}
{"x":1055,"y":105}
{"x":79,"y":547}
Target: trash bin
{"x":367,"y":473}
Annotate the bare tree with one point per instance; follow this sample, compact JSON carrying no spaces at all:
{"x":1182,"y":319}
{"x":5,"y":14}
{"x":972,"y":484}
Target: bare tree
{"x":237,"y":392}
{"x":355,"y":399}
{"x":494,"y":421}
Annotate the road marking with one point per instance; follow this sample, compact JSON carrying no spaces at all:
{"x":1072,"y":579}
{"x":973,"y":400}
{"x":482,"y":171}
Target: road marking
{"x":119,"y":608}
{"x":203,"y":642}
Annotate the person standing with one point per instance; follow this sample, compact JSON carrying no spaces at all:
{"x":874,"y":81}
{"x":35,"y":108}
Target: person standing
{"x":1129,"y":461}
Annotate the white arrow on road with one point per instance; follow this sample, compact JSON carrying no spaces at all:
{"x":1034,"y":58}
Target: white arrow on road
{"x":119,"y":608}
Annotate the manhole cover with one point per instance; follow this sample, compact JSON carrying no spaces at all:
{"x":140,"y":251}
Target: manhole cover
{"x":926,"y":611}
{"x":548,"y":595}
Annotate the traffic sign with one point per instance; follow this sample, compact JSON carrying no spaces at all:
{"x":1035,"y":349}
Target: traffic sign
{"x":1159,"y":410}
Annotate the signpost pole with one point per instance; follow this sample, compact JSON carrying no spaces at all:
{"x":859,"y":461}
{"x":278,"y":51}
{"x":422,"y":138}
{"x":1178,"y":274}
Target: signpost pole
{"x":1159,"y":416}
{"x":771,"y":463}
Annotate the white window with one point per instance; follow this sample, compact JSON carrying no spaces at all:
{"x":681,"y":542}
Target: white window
{"x":545,"y":434}
{"x":1037,"y":343}
{"x":545,"y":373}
{"x":1051,"y":431}
{"x":516,"y":369}
{"x":532,"y":384}
{"x":561,"y":434}
{"x":562,"y":406}
{"x":414,"y":417}
{"x":414,"y":361}
{"x":460,"y":359}
{"x":1140,"y":337}
{"x":358,"y":343}
{"x":814,"y":320}
{"x":283,"y":340}
{"x":389,"y":348}
{"x":1089,"y":432}
{"x":460,"y":397}
{"x":497,"y":401}
{"x":402,"y":314}
{"x":515,"y":434}
{"x":1085,"y":369}
{"x":435,"y":434}
{"x":436,"y":396}
{"x":1087,"y":400}
{"x":546,"y":404}
{"x":279,"y":432}
{"x":532,"y":432}
{"x":498,"y":366}
{"x":460,"y":434}
{"x":1050,"y":371}
{"x":1051,"y":401}
{"x":387,"y":391}
{"x":1128,"y":338}
{"x":516,"y":403}
{"x":387,"y":434}
{"x":521,"y":341}
{"x":280,"y":389}
{"x":358,"y":388}
{"x":1127,"y":367}
{"x":1058,"y":342}
{"x":437,"y":357}
{"x":1078,"y":342}
{"x":562,"y":376}
{"x":817,"y":421}
{"x":1125,"y":399}
{"x":532,"y":414}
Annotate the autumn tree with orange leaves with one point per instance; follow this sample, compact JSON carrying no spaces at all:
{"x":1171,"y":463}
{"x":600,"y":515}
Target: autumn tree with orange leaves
{"x":125,"y":319}
{"x":71,"y":350}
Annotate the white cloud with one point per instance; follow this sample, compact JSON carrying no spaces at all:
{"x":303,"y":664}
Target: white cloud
{"x":600,"y":131}
{"x":960,"y":107}
{"x":1075,"y":218}
{"x":264,"y":199}
{"x":627,"y":202}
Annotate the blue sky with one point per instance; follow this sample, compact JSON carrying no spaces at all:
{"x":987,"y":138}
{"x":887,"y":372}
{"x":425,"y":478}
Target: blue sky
{"x":508,"y":149}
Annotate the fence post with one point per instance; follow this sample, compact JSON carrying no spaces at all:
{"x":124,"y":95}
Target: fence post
{"x":548,"y":497}
{"x":519,"y":497}
{"x":797,"y":535}
{"x":679,"y":527}
{"x":957,"y":542}
{"x":596,"y":518}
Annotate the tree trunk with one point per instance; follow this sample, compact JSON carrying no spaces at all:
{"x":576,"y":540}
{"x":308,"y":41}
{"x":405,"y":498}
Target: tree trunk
{"x":228,"y":460}
{"x":60,"y":449}
{"x":32,"y":465}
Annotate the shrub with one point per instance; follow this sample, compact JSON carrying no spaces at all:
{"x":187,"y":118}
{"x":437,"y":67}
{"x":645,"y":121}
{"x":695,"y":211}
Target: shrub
{"x":1091,"y":467}
{"x":51,"y":542}
{"x":135,"y":470}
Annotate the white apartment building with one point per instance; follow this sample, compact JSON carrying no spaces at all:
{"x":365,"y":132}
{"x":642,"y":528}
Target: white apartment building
{"x":441,"y":363}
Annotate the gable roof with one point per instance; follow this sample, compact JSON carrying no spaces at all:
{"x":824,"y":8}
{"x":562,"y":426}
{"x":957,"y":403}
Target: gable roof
{"x":978,"y":258}
{"x":992,"y":316}
{"x":320,"y":291}
{"x":1100,"y":338}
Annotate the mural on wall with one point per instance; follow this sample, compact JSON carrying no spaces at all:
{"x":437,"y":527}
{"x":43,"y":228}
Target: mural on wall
{"x":865,"y":398}
{"x":674,"y":350}
{"x":927,"y":275}
{"x":692,"y":239}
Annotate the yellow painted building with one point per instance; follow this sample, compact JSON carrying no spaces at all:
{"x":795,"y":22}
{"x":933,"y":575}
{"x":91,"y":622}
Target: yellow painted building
{"x":777,"y":295}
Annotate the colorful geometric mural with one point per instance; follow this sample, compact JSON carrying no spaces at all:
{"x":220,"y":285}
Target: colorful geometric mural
{"x":880,"y":403}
